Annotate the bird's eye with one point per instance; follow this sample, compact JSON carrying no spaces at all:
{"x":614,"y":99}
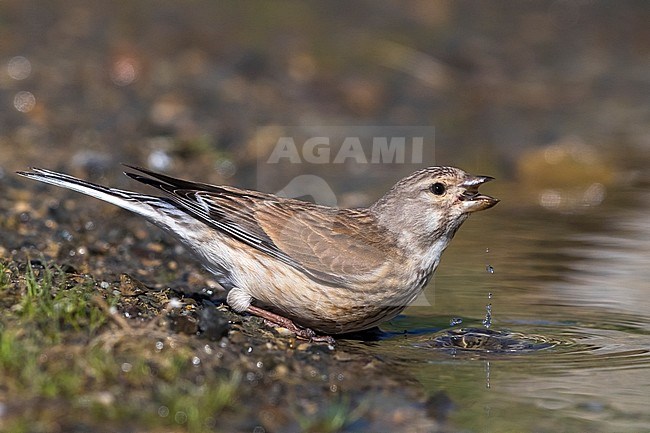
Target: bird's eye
{"x":438,"y":188}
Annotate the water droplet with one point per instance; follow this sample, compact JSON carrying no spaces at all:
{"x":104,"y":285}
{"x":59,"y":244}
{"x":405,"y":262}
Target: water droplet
{"x":159,"y":345}
{"x":487,"y":250}
{"x":259,"y":364}
{"x":490,"y":295}
{"x":196,"y":361}
{"x":455,"y":321}
{"x":126,"y":367}
{"x":250,"y":349}
{"x":489,"y":269}
{"x":487,"y":322}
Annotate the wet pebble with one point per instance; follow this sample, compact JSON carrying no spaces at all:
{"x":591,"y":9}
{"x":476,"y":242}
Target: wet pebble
{"x":185,"y":324}
{"x":213,"y":324}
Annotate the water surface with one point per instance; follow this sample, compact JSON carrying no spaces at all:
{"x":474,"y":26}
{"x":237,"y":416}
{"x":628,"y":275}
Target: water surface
{"x":575,"y":283}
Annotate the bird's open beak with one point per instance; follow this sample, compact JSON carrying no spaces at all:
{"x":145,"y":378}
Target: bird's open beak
{"x":472,"y":199}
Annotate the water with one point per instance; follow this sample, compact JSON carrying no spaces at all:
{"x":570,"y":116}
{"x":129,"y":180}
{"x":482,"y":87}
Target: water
{"x":568,"y":349}
{"x":487,"y":322}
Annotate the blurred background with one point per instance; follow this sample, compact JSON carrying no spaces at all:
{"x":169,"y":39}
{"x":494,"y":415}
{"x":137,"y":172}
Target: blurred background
{"x":552,"y":94}
{"x":552,"y":98}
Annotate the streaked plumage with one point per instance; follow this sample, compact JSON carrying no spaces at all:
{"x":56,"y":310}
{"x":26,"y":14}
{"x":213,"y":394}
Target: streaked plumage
{"x":331,"y":270}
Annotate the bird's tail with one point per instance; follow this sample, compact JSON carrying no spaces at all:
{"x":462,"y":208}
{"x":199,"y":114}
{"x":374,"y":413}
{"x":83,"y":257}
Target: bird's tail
{"x":141,"y":204}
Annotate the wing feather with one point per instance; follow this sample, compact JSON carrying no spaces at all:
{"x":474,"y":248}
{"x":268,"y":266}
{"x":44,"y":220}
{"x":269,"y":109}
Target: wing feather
{"x":340,"y":247}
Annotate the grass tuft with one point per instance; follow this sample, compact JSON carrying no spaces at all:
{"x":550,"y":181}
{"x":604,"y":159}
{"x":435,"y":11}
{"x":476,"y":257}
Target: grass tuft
{"x":65,"y":364}
{"x":56,"y":302}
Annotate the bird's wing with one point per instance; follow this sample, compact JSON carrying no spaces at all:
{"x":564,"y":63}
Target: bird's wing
{"x":334,"y":246}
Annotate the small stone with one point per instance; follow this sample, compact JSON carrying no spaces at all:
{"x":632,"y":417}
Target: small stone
{"x":303,"y":346}
{"x":213,"y":323}
{"x":185,"y":324}
{"x":130,"y":286}
{"x":283,"y":332}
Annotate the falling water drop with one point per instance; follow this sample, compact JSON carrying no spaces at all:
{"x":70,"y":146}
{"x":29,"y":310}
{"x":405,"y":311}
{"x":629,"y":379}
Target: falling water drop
{"x":489,"y":269}
{"x":487,"y":322}
{"x":455,"y":321}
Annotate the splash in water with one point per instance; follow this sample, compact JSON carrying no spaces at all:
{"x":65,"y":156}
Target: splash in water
{"x":455,"y":321}
{"x":487,"y":322}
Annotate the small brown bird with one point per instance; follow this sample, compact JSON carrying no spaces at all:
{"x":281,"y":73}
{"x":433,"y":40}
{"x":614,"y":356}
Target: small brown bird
{"x":300,"y":265}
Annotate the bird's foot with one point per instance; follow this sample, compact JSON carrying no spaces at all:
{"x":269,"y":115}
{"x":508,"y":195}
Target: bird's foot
{"x":276,"y":319}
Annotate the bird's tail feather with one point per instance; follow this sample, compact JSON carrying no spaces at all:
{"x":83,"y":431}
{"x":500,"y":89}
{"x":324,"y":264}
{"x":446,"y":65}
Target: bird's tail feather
{"x":140,"y":204}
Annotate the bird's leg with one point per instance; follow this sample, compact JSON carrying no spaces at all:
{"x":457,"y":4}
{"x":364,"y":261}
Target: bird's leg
{"x":305,"y":333}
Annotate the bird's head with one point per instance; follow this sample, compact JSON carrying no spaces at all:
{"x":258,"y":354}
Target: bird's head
{"x":432,"y":203}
